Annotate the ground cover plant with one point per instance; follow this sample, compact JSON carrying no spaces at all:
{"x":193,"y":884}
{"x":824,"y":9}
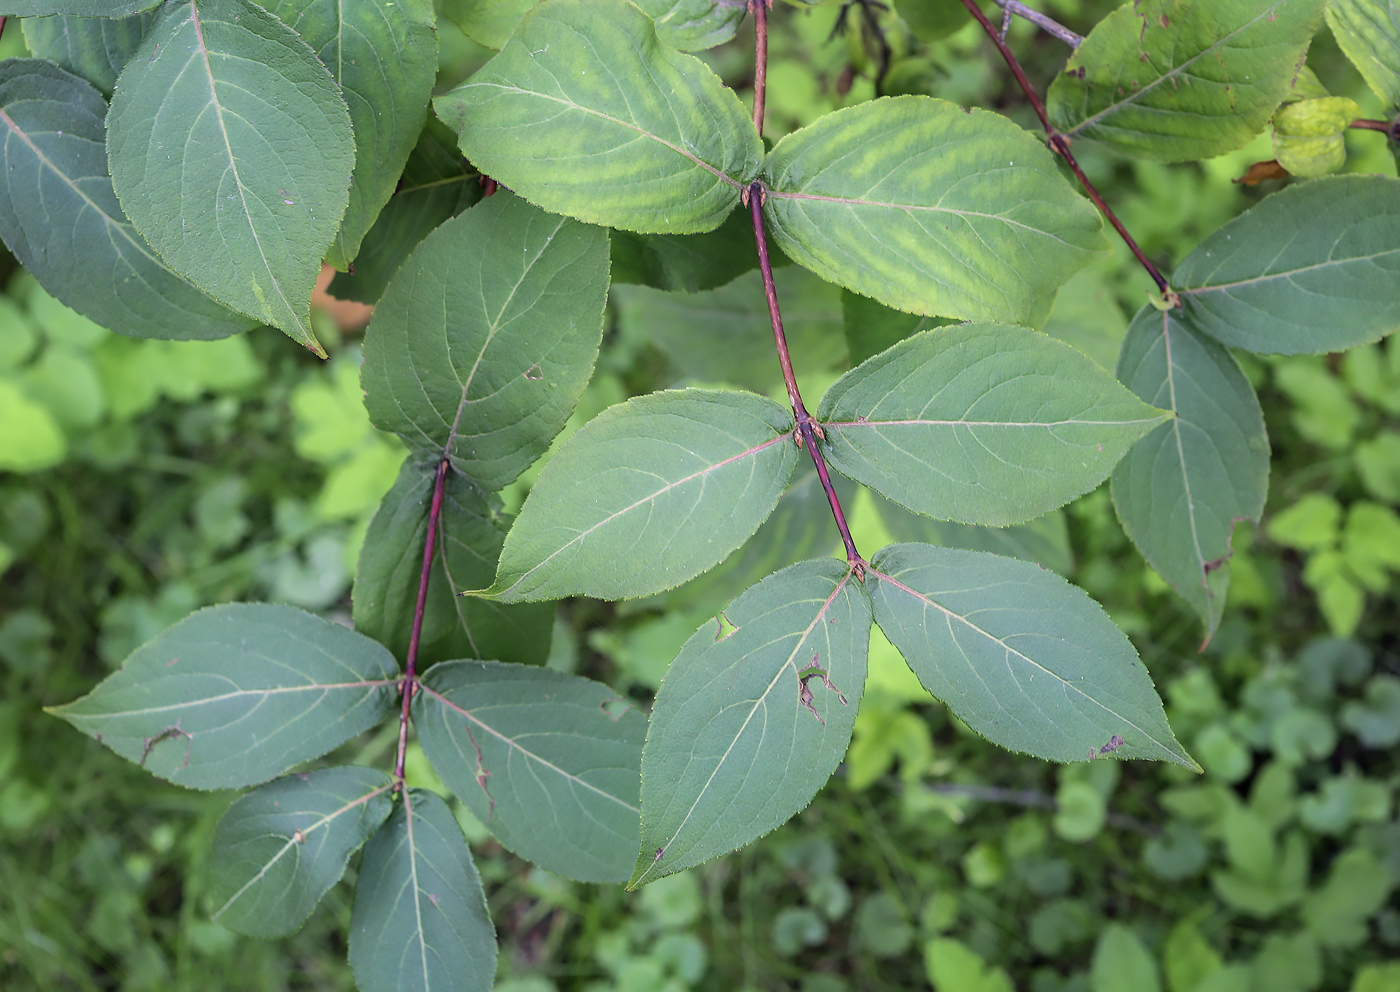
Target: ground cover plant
{"x":487,"y":330}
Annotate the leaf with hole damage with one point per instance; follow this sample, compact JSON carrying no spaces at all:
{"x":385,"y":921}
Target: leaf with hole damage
{"x":775,"y":699}
{"x":648,"y":494}
{"x":1368,"y":31}
{"x":1270,"y":284}
{"x":548,"y":761}
{"x":231,"y":149}
{"x":59,"y":216}
{"x":236,"y":695}
{"x":470,"y":532}
{"x":281,"y":847}
{"x":1018,"y":654}
{"x":586,"y":113}
{"x":486,"y":337}
{"x":420,"y":921}
{"x":436,"y":186}
{"x":384,"y":57}
{"x":95,"y":48}
{"x":1182,"y":489}
{"x":929,"y":208}
{"x":1175,"y":80}
{"x":982,"y":423}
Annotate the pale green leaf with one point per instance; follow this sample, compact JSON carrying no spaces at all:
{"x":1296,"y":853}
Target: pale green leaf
{"x":384,"y":57}
{"x":1308,"y":135}
{"x":59,"y":216}
{"x":1018,"y":654}
{"x":437,"y":185}
{"x":1177,"y":80}
{"x":725,"y":334}
{"x":929,"y":208}
{"x":81,"y":8}
{"x":470,"y":532}
{"x":486,"y":337}
{"x":239,"y":694}
{"x":1368,"y":31}
{"x":982,"y":423}
{"x":1180,"y":491}
{"x":281,"y":847}
{"x":95,"y":48}
{"x":231,"y":150}
{"x":652,"y":141}
{"x":420,"y":922}
{"x":1122,"y":963}
{"x":776,"y":698}
{"x":1269,"y":284}
{"x":648,"y":494}
{"x":30,"y":438}
{"x":548,"y":761}
{"x":488,"y":22}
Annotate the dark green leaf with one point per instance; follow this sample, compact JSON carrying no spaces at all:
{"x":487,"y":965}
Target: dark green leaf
{"x":486,"y":337}
{"x":648,"y":494}
{"x":1181,"y":490}
{"x":236,"y":695}
{"x":1271,"y":284}
{"x":548,"y":761}
{"x":1018,"y":654}
{"x":929,"y":208}
{"x":1176,"y":80}
{"x":1368,"y":31}
{"x":983,"y":424}
{"x":384,"y":56}
{"x":437,"y":185}
{"x":59,"y":216}
{"x":470,"y":532}
{"x":651,"y":142}
{"x":231,"y":150}
{"x":280,"y":848}
{"x":420,"y":922}
{"x":687,"y":262}
{"x":872,"y":327}
{"x":725,"y":334}
{"x":1045,"y":540}
{"x":95,"y":48}
{"x":775,"y":698}
{"x":692,"y":25}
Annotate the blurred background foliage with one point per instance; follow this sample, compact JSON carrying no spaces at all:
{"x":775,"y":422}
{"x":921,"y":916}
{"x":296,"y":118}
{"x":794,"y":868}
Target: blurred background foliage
{"x":140,"y":480}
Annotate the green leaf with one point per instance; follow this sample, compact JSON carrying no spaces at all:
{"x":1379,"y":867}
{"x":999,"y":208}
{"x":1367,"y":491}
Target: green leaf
{"x":30,"y":438}
{"x":1264,"y":283}
{"x":688,"y":262}
{"x":1188,"y":958}
{"x":95,"y":48}
{"x":1368,"y":31}
{"x":872,"y":327}
{"x":1044,"y":540}
{"x":725,"y":334}
{"x":82,"y":8}
{"x":952,"y":966}
{"x":1122,"y":963}
{"x":1376,"y":721}
{"x":1357,"y":888}
{"x":1308,"y":134}
{"x":437,"y":185}
{"x":420,"y":922}
{"x":548,"y":761}
{"x":384,"y":57}
{"x":776,"y":697}
{"x":1018,"y":654}
{"x":59,"y":216}
{"x":239,"y":694}
{"x":692,"y":25}
{"x":984,"y":424}
{"x":488,"y":22}
{"x":651,"y":142}
{"x":231,"y":150}
{"x":929,"y":208}
{"x":486,"y":337}
{"x":1180,"y":491}
{"x":648,"y":494}
{"x":1176,"y":80}
{"x":280,"y":848}
{"x":470,"y":532}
